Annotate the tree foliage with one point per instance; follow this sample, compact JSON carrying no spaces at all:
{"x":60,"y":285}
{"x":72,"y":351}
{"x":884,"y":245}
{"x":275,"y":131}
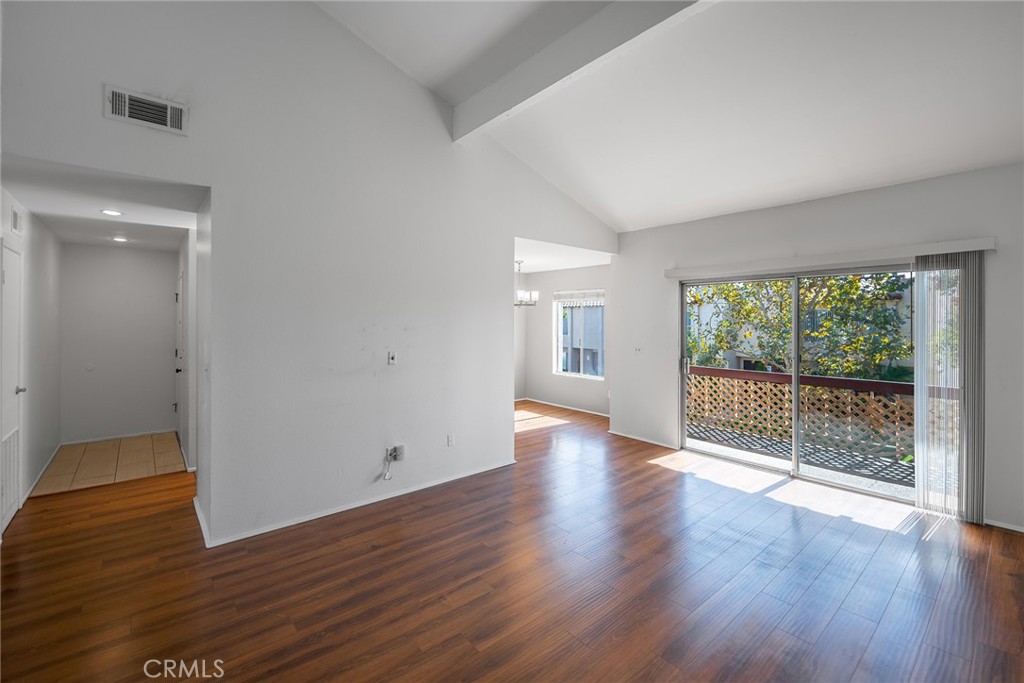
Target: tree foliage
{"x":851,"y":325}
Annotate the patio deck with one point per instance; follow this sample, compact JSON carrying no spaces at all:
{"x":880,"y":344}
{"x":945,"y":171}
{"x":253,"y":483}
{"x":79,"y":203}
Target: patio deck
{"x":889,"y":470}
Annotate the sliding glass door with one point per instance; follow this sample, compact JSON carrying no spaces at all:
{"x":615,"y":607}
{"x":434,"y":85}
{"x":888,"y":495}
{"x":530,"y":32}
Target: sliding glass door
{"x":853,"y":422}
{"x":856,"y":381}
{"x":738,"y":360}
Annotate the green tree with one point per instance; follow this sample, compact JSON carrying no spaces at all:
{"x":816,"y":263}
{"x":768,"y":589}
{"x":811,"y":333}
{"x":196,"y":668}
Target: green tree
{"x":851,"y":325}
{"x":707,"y":333}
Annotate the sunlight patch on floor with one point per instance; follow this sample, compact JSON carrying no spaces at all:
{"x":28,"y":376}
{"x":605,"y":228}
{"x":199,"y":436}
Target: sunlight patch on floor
{"x":746,"y":479}
{"x":860,"y":508}
{"x":877,"y":512}
{"x":526,"y":420}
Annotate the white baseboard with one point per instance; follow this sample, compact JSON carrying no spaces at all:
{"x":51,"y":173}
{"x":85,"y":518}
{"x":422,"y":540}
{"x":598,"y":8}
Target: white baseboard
{"x":213,"y":542}
{"x":1004,"y":525}
{"x":120,"y":436}
{"x":559,"y":405}
{"x":638,"y":438}
{"x":49,"y":461}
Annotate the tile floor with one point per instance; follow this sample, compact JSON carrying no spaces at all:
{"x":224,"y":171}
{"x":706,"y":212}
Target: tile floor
{"x":81,"y":465}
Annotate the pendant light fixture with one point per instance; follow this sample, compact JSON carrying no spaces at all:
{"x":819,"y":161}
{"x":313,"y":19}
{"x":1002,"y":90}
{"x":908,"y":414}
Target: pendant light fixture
{"x":524,"y":297}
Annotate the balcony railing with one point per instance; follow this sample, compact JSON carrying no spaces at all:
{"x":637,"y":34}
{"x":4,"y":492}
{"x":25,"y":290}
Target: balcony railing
{"x":861,"y":426}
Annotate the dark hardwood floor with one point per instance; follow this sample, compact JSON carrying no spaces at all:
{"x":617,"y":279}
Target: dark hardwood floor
{"x":585,"y":561}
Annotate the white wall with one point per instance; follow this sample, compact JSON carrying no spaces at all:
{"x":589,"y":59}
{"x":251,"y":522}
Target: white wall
{"x":542,"y":384}
{"x":201,"y":366}
{"x":519,"y":334}
{"x":341,"y":230}
{"x":186,"y":396}
{"x":117,"y":337}
{"x":644,"y":307}
{"x":181,"y":348}
{"x":40,"y":350}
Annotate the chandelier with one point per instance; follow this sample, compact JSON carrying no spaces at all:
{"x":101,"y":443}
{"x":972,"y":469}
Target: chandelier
{"x":524,"y":297}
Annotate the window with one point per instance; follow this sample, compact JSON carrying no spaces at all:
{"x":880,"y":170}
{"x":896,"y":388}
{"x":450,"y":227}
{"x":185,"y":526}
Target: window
{"x":579,"y":333}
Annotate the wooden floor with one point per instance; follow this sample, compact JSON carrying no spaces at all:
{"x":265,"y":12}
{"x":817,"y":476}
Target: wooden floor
{"x":594,"y":558}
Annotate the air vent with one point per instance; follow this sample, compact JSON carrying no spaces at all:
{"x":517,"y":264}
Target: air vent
{"x":145,"y":110}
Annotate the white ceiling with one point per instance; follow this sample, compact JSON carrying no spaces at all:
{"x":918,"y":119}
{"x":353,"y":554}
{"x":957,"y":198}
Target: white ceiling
{"x":752,"y":104}
{"x":728,"y":106}
{"x":68,"y":199}
{"x":539,"y":257}
{"x":458,"y":48}
{"x":731,"y":105}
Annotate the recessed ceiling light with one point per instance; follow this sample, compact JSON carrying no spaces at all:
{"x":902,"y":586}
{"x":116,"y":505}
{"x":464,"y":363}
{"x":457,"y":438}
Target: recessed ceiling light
{"x":120,"y":239}
{"x":111,"y":212}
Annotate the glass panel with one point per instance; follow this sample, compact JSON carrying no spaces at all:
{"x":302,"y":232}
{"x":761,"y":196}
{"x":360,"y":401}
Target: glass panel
{"x":564,"y":343}
{"x":857,"y":381}
{"x":573,"y":341}
{"x":593,"y":341}
{"x":738,"y":388}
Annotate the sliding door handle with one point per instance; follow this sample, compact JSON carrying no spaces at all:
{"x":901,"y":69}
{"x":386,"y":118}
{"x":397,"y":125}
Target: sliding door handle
{"x":20,"y":390}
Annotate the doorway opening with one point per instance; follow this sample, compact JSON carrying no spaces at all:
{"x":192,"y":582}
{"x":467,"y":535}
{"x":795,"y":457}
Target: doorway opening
{"x":109,"y":333}
{"x":558,"y":324}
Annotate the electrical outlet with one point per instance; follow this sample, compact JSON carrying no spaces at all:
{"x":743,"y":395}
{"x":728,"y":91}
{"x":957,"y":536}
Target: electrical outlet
{"x":397,"y":452}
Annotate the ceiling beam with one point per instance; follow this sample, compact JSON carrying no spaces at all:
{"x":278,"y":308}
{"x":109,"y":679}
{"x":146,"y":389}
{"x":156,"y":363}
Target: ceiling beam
{"x":585,"y":46}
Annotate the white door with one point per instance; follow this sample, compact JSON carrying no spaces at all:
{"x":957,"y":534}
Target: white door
{"x":11,"y":390}
{"x":180,"y":386}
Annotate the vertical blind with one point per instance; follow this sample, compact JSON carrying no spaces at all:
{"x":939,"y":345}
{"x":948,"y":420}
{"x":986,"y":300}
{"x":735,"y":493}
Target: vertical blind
{"x":949,"y":430}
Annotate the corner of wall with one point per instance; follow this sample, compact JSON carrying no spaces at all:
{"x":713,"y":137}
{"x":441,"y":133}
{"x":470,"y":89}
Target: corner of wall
{"x":204,"y":526}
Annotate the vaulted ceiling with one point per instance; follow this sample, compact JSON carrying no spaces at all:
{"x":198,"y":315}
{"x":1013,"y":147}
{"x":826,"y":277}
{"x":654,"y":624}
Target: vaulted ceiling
{"x":458,"y":48}
{"x":650,"y":114}
{"x":655,"y":113}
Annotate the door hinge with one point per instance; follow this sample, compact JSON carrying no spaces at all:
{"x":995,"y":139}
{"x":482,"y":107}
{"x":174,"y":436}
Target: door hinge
{"x":175,"y":297}
{"x":175,"y":407}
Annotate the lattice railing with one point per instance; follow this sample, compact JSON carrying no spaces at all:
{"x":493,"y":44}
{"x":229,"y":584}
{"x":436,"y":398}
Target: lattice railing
{"x":742,"y":405}
{"x":856,"y":416}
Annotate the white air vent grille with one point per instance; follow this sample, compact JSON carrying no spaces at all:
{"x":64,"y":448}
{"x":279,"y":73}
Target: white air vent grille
{"x":145,"y":110}
{"x":118,"y":103}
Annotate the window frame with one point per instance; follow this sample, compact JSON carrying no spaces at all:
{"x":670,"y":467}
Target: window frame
{"x":563,"y":301}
